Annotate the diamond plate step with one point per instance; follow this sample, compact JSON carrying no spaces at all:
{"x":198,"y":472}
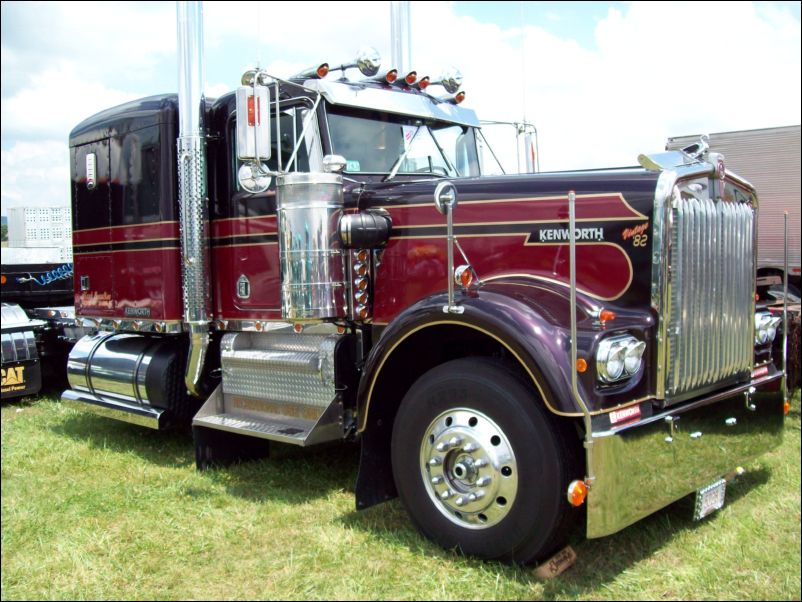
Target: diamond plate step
{"x":216,"y":413}
{"x":277,"y":429}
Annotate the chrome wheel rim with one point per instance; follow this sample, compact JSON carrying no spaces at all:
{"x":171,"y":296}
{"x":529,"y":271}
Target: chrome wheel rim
{"x":468,"y":468}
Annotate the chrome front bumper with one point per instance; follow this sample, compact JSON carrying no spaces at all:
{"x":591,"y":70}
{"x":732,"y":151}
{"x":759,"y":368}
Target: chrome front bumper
{"x":643,"y":467}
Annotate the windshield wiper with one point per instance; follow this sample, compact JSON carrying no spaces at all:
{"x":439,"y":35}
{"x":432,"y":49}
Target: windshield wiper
{"x":400,"y":160}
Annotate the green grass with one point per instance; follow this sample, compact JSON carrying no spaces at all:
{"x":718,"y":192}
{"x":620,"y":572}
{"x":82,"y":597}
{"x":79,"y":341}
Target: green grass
{"x":95,"y":509}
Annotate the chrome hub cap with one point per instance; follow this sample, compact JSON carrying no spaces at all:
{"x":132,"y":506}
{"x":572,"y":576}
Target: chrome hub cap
{"x":468,"y":468}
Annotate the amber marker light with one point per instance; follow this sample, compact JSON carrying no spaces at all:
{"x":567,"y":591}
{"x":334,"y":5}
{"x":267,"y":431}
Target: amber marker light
{"x":424,"y":82}
{"x":787,"y":407}
{"x":581,"y":365}
{"x":459,"y":97}
{"x":577,"y":492}
{"x":391,"y":76}
{"x":323,"y":70}
{"x":3,"y":279}
{"x":298,"y":327}
{"x":411,"y":77}
{"x":606,"y":315}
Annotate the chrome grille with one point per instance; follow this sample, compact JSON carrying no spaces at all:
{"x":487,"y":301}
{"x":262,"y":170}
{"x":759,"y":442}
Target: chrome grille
{"x":710,"y":326}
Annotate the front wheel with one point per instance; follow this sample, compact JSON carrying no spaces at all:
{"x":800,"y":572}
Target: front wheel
{"x":479,"y":465}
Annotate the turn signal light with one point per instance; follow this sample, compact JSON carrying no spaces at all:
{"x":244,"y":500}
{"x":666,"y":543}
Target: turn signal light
{"x":577,"y":492}
{"x":606,"y":315}
{"x":787,"y":407}
{"x":463,"y":276}
{"x":581,"y":365}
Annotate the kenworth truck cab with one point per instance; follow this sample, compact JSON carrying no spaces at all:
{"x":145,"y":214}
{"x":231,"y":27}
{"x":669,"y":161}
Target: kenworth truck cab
{"x":316,"y":258}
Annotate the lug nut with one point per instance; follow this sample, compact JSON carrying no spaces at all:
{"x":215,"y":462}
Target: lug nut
{"x":470,"y":448}
{"x":460,"y":500}
{"x":445,"y":495}
{"x":483,"y":482}
{"x":437,"y":480}
{"x":435,"y":461}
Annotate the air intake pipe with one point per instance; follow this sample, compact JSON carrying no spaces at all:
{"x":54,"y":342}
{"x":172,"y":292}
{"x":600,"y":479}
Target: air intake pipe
{"x":192,"y":194}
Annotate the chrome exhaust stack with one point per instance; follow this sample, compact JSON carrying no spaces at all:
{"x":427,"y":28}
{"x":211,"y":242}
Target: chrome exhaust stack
{"x":192,"y":191}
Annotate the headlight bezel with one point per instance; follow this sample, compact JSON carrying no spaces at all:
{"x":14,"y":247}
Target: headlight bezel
{"x":766,"y":325}
{"x":625,"y":349}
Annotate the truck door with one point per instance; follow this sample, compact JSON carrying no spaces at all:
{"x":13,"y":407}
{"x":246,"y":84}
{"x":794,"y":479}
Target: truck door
{"x":91,"y":221}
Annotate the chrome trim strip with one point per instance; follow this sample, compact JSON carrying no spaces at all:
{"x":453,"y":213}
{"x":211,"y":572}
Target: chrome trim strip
{"x":278,"y":325}
{"x":116,"y":324}
{"x":148,"y":417}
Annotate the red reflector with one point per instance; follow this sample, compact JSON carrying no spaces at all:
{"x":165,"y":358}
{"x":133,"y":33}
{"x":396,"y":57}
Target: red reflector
{"x":253,"y":112}
{"x":760,"y":371}
{"x":625,"y":415}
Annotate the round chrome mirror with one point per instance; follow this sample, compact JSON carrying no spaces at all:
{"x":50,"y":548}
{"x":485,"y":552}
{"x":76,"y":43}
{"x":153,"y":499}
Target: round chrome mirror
{"x":252,"y":179}
{"x":368,"y":61}
{"x":445,"y":197}
{"x":334,"y":163}
{"x":451,"y":80}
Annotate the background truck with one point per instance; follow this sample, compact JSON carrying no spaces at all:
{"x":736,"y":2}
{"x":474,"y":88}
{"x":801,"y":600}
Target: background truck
{"x":320,"y":258}
{"x":37,"y":330}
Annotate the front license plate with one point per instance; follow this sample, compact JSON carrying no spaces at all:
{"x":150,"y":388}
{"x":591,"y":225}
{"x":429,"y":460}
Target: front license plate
{"x":709,"y":499}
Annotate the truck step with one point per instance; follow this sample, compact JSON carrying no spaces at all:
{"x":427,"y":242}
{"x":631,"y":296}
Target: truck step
{"x":311,"y":427}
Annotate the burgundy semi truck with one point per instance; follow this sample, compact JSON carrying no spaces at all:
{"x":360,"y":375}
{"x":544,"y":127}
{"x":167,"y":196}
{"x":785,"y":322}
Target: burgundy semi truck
{"x":320,"y":258}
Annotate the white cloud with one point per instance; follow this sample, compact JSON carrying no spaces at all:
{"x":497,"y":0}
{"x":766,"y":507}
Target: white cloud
{"x":35,"y":174}
{"x":54,"y":101}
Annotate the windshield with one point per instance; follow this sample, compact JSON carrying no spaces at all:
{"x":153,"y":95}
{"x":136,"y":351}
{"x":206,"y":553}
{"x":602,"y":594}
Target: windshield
{"x":390,"y":144}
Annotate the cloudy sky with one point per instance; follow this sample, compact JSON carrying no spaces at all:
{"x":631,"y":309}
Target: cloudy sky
{"x":602,"y":81}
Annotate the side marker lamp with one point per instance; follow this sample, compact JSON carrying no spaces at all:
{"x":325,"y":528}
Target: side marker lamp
{"x":577,"y":492}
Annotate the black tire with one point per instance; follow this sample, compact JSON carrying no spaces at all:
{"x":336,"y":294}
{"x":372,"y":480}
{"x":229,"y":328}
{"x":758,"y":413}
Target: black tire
{"x":482,"y":397}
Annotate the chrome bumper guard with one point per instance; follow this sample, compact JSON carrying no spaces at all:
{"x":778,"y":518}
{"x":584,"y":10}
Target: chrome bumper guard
{"x":643,"y":467}
{"x":135,"y":414}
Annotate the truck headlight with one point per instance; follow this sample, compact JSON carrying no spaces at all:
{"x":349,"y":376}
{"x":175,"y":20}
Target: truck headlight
{"x":619,"y":357}
{"x":765,"y":327}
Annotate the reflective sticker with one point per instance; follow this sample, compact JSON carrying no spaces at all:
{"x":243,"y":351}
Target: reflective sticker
{"x":352,"y":165}
{"x":627,"y":414}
